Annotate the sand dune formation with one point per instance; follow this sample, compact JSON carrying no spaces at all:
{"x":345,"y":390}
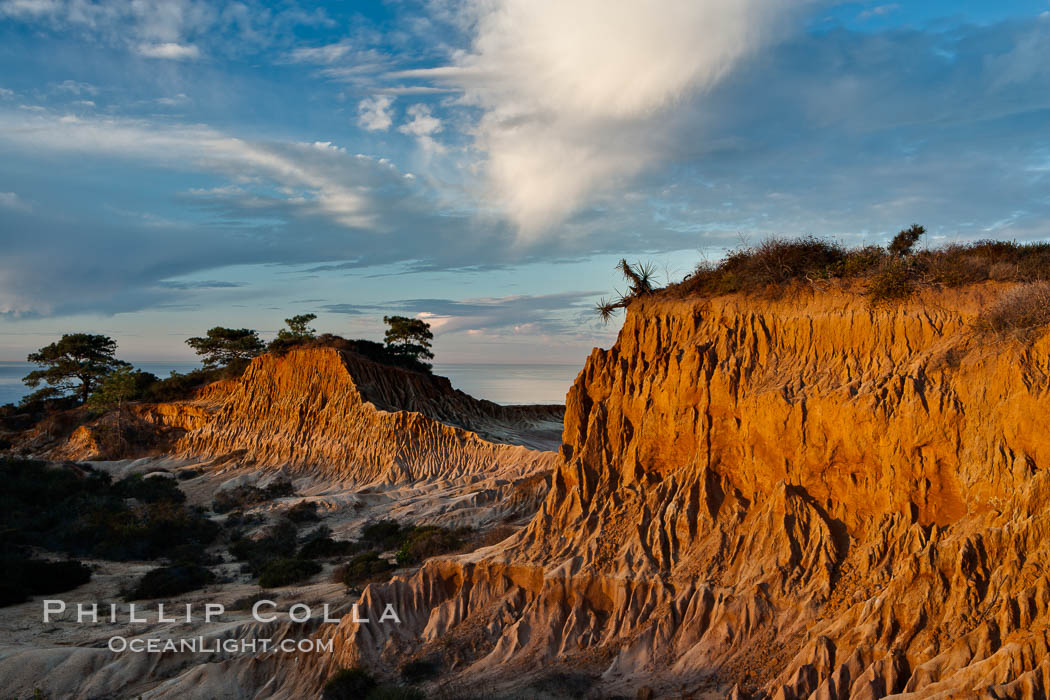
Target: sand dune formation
{"x":801,"y":497}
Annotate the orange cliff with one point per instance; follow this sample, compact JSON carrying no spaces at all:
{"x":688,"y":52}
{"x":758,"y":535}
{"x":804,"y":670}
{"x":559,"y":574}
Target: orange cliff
{"x":342,"y":416}
{"x":793,"y":498}
{"x":339,"y":416}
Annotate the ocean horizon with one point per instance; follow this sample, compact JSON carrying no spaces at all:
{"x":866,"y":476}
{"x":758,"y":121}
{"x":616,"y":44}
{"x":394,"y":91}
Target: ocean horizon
{"x":510,"y":383}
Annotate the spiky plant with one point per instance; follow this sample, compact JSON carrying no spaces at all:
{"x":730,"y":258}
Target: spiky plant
{"x":640,"y":282}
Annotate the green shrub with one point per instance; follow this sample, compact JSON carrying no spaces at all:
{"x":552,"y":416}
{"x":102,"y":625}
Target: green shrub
{"x":279,"y":542}
{"x":360,"y":569}
{"x":245,"y":496}
{"x":284,"y":572}
{"x":892,"y":281}
{"x":427,"y":541}
{"x":903,"y":243}
{"x":169,"y":581}
{"x":77,"y":509}
{"x":382,"y":535}
{"x":152,"y":489}
{"x":302,"y":512}
{"x":143,"y":532}
{"x":178,"y":386}
{"x":25,"y":576}
{"x":319,"y":544}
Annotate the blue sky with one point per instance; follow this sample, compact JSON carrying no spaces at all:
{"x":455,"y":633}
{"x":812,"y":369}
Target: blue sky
{"x":170,"y":166}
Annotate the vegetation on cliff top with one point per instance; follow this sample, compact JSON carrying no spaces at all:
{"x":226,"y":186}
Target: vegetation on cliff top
{"x":887,"y":274}
{"x":75,"y":363}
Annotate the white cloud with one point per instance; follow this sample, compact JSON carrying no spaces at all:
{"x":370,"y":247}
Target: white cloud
{"x":173,"y":101}
{"x":373,"y":113}
{"x":4,"y":92}
{"x":330,"y":53}
{"x":169,"y":49}
{"x":11,"y":200}
{"x":574,"y":94}
{"x":423,"y":125}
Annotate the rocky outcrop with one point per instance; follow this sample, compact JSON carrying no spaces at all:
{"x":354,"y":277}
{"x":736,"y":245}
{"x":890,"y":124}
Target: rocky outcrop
{"x":336,"y":415}
{"x":803,"y":497}
{"x":345,"y":417}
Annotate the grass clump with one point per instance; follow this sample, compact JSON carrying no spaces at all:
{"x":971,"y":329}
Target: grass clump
{"x":1021,"y":312}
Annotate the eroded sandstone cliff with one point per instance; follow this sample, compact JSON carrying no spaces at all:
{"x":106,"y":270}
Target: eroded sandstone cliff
{"x":333,"y":414}
{"x":346,"y":417}
{"x":798,"y":498}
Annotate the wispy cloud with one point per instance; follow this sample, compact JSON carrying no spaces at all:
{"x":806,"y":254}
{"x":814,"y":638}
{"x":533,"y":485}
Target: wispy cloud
{"x":76,"y":87}
{"x":548,"y":313}
{"x":197,"y":284}
{"x":879,"y":11}
{"x":323,"y":55}
{"x":173,"y":29}
{"x":169,"y":49}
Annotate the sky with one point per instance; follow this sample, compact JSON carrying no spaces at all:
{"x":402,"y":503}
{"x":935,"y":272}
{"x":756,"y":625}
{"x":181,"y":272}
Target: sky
{"x":166,"y":167}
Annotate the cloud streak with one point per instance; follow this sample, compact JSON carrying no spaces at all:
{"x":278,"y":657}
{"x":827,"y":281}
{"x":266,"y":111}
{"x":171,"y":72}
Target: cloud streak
{"x":563,"y":313}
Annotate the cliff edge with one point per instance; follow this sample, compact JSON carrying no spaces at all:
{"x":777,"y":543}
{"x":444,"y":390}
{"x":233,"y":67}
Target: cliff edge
{"x":803,"y":497}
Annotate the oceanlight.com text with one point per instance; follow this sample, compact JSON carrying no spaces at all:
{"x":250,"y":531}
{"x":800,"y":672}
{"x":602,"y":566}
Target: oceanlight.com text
{"x":200,"y":645}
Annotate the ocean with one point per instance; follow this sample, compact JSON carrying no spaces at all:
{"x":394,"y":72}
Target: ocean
{"x":502,"y":383}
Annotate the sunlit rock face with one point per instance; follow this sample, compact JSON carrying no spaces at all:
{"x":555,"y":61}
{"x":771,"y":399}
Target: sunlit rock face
{"x":346,"y":417}
{"x":333,"y":414}
{"x":801,"y":497}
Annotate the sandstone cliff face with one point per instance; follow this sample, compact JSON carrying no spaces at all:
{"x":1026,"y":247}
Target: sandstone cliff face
{"x":800,"y":498}
{"x":344,"y":417}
